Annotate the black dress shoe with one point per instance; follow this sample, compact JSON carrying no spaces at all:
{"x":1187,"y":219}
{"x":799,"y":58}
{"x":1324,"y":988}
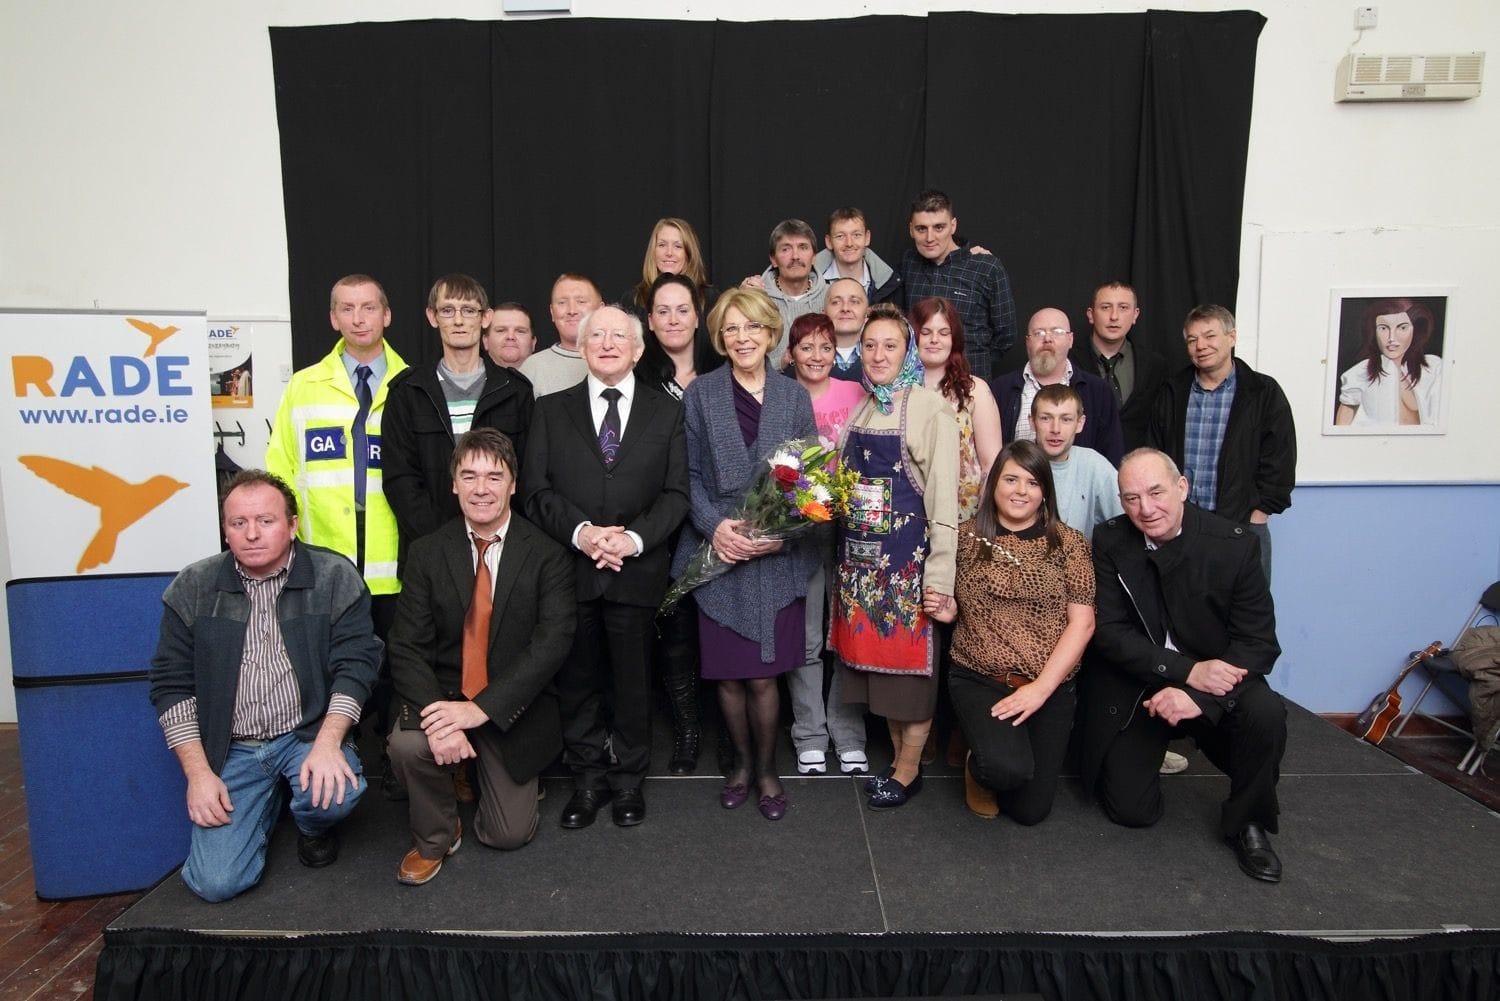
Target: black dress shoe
{"x":629,"y":808}
{"x":1252,"y":846}
{"x":317,"y":850}
{"x":684,"y":760}
{"x":582,"y":806}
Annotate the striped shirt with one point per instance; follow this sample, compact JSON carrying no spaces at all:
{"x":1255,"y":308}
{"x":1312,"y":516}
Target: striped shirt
{"x":267,"y":701}
{"x":1207,"y":418}
{"x":462,"y":392}
{"x":1029,"y":388}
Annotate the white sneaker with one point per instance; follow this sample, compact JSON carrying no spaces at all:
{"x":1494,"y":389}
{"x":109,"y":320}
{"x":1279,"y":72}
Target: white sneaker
{"x":1172,"y":763}
{"x":853,"y":762}
{"x":812,"y":763}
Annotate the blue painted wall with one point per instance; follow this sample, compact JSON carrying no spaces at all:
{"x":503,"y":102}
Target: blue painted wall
{"x":1365,"y":574}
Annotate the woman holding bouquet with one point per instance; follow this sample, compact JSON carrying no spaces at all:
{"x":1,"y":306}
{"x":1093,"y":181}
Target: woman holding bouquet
{"x":895,"y":547}
{"x":750,"y":622}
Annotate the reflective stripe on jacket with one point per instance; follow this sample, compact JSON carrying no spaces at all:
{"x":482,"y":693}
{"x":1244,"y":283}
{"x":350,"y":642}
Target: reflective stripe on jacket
{"x":312,"y":449}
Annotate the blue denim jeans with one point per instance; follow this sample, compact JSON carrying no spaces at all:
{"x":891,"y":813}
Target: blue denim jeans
{"x":226,"y":861}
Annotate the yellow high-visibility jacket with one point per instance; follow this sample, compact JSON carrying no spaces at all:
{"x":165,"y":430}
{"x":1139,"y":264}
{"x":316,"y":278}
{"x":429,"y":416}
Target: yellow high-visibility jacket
{"x":312,"y":449}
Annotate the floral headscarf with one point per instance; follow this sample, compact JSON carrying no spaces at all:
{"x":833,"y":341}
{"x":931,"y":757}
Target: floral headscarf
{"x":911,"y":374}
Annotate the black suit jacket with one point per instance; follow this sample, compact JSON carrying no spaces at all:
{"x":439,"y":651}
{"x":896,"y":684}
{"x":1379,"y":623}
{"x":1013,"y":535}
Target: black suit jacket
{"x":1206,"y":586}
{"x":1150,"y":371}
{"x":564,"y":481}
{"x":531,"y":631}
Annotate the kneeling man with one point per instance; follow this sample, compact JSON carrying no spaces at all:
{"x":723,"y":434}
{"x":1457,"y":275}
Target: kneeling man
{"x":265,"y":659}
{"x":1185,"y":636}
{"x":484,"y":621}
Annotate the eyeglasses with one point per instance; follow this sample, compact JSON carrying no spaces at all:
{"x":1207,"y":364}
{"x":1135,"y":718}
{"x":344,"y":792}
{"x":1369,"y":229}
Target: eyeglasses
{"x":467,"y":312}
{"x":1054,"y":334}
{"x":600,"y":336}
{"x":751,"y":329}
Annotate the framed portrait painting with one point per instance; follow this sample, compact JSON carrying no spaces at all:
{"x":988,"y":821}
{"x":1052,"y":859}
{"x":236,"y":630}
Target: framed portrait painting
{"x":1386,"y":352}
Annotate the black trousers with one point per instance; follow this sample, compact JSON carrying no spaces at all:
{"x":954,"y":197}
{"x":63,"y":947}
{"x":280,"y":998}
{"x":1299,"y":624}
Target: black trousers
{"x":1246,"y":744}
{"x":1019,"y":763}
{"x":604,"y":691}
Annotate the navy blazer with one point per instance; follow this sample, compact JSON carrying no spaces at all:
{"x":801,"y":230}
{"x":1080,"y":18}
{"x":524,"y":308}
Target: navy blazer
{"x":564,"y":481}
{"x":1101,"y":428}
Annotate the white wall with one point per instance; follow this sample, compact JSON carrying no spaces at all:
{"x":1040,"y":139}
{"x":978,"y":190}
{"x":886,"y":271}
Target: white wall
{"x":141,"y":163}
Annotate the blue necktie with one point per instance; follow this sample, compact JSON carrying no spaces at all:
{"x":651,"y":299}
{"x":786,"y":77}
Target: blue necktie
{"x":361,"y":438}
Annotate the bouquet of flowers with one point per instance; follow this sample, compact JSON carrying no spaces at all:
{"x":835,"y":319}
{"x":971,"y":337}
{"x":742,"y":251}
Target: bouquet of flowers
{"x":804,"y":484}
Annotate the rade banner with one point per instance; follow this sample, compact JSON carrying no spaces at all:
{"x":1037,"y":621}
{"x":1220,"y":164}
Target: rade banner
{"x":106,"y":442}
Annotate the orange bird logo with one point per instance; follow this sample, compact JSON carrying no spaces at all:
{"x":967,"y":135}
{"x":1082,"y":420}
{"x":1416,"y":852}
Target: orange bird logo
{"x":120,"y":503}
{"x":151,"y":330}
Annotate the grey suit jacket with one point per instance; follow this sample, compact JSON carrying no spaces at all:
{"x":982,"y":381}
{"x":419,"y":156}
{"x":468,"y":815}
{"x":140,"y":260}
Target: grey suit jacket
{"x":720,"y":470}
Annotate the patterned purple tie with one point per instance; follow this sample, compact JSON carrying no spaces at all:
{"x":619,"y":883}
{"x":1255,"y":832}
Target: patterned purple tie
{"x":609,"y":430}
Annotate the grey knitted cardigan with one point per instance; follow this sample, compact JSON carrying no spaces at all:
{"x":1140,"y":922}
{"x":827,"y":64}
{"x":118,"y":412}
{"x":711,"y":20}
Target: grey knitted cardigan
{"x":720,"y":470}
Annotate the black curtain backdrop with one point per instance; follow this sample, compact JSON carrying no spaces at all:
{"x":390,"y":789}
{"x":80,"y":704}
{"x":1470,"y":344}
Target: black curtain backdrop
{"x":1080,"y":148}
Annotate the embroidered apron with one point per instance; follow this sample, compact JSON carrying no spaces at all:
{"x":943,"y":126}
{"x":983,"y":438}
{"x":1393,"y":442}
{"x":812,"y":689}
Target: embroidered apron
{"x":877,"y":623}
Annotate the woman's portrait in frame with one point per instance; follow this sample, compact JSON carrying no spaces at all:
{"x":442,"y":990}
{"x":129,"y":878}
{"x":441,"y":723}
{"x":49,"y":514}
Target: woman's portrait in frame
{"x":1388,"y":376}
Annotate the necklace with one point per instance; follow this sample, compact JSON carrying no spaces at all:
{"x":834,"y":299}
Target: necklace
{"x":999,"y":552}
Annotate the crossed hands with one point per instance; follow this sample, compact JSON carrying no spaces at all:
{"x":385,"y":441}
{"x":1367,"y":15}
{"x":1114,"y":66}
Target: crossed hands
{"x":1211,"y":677}
{"x":606,"y":545}
{"x":733,"y":545}
{"x":445,"y":723}
{"x":1215,"y":677}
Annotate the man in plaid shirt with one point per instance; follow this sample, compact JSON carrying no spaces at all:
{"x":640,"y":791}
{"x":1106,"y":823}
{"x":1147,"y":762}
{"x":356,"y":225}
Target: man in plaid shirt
{"x":1229,"y":428}
{"x":939,"y":264}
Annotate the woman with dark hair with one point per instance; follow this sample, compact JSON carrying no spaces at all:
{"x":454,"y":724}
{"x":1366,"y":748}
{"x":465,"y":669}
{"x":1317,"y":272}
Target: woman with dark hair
{"x":809,"y":352}
{"x":1395,"y":383}
{"x":750,"y":620}
{"x":676,"y":350}
{"x":895,"y":547}
{"x":940,"y":345}
{"x":1025,"y":611}
{"x":673,"y":249}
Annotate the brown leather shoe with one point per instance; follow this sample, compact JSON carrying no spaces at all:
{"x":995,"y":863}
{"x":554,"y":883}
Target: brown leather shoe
{"x":979,"y":800}
{"x":416,"y":870}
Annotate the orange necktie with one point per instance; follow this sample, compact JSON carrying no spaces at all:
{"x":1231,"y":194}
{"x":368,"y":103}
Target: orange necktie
{"x":477,"y":624}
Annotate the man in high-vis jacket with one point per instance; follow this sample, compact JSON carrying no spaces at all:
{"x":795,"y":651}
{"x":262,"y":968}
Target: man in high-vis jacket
{"x":326,"y":445}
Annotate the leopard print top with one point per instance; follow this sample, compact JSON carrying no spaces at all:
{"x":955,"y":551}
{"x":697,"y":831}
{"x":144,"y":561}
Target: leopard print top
{"x":1013,"y":598}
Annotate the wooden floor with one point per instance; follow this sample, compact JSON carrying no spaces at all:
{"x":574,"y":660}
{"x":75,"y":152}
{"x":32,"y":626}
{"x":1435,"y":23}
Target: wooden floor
{"x":47,"y":950}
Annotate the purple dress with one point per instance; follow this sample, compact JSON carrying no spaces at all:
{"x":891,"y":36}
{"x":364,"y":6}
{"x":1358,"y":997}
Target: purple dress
{"x":724,"y":653}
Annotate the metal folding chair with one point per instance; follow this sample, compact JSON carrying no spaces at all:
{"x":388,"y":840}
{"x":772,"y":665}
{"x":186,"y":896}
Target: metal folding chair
{"x":1441,"y":666}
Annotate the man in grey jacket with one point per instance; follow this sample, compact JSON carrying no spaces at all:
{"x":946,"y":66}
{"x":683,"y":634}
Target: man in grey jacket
{"x":266,"y":657}
{"x":847,"y":254}
{"x":791,"y":282}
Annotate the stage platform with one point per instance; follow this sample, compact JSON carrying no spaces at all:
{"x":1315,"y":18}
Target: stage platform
{"x":1391,"y":890}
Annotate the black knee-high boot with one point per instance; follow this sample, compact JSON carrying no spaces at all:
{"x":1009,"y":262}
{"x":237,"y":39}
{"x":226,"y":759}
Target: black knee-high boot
{"x":679,"y":654}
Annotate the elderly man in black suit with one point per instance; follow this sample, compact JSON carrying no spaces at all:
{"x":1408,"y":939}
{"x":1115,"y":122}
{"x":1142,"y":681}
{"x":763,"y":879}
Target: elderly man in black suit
{"x":484,"y":621}
{"x":606,"y":474}
{"x":1185,"y":634}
